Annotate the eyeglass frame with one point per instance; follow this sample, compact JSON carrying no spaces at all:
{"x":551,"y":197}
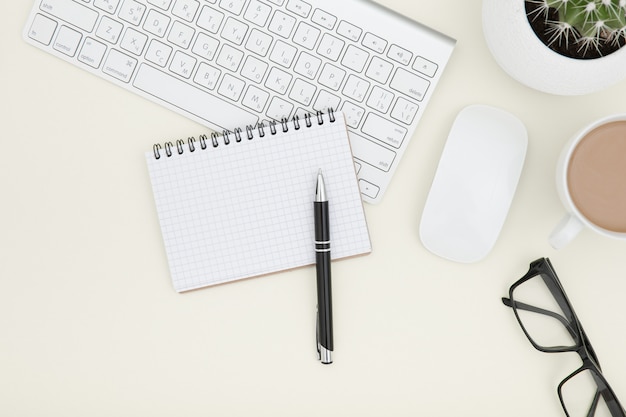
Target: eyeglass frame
{"x":543,"y":268}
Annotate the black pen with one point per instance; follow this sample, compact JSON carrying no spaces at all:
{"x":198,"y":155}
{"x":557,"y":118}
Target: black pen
{"x":322,"y":263}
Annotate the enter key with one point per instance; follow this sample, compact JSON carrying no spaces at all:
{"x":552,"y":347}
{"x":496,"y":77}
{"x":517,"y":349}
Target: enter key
{"x":384,"y":130}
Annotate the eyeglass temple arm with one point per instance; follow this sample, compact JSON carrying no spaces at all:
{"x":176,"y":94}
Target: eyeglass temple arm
{"x":611,"y":401}
{"x":555,"y":287}
{"x":523,"y":306}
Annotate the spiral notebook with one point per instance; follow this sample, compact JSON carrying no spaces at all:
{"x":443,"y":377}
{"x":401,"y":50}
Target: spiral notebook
{"x":240,"y":204}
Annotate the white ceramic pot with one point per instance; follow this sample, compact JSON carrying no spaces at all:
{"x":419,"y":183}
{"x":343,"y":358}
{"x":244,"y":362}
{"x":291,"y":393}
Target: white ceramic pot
{"x":524,"y":57}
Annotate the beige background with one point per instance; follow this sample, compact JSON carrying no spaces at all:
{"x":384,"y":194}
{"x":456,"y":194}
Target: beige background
{"x":90,"y":325}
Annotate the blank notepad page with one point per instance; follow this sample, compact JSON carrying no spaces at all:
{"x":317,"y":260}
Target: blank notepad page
{"x":245,"y":208}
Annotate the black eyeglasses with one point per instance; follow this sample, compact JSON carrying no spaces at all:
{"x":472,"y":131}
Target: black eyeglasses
{"x":550,"y":324}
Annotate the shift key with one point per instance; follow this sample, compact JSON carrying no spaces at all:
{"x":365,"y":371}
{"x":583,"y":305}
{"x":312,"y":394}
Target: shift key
{"x":372,"y":153}
{"x":71,"y":12}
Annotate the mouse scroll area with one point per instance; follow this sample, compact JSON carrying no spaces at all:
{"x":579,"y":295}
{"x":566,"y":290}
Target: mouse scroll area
{"x":474,"y":184}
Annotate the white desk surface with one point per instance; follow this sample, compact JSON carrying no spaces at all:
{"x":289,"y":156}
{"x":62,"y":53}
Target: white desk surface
{"x":90,"y":324}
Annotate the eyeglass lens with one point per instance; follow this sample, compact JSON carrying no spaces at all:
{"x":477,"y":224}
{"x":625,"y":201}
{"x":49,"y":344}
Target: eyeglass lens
{"x":541,"y":315}
{"x":582,"y":397}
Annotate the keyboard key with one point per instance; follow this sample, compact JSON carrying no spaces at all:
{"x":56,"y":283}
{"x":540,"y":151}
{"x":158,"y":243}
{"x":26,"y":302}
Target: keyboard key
{"x":283,"y":54}
{"x":71,"y":12}
{"x":134,"y":41}
{"x":332,"y":77}
{"x":279,"y":109}
{"x":158,"y":53}
{"x":233,"y":6}
{"x":108,"y":6}
{"x":156,"y":23}
{"x":210,"y":19}
{"x":186,"y":9}
{"x":374,"y":43}
{"x":324,"y":19}
{"x":355,"y":58}
{"x":119,"y":65}
{"x":425,"y":66}
{"x":404,"y":110}
{"x":326,"y":100}
{"x":234,"y":31}
{"x":409,"y":84}
{"x":371,"y":153}
{"x":67,"y":41}
{"x":257,"y":13}
{"x":384,"y":130}
{"x":229,"y":58}
{"x":349,"y":31}
{"x":92,"y":52}
{"x":379,"y":70}
{"x":330,"y":47}
{"x":352,"y":113}
{"x":255,"y":99}
{"x":277,"y":2}
{"x":369,"y":189}
{"x":109,"y":30}
{"x":183,"y":64}
{"x":307,"y":65}
{"x":205,"y":46}
{"x":278,"y":80}
{"x":181,"y":35}
{"x":42,"y":29}
{"x":207,"y":76}
{"x":306,"y":35}
{"x":380,"y":99}
{"x":197,"y":102}
{"x":356,"y":88}
{"x":254,"y":69}
{"x":302,"y":92}
{"x":231,"y":87}
{"x":400,"y":55}
{"x":282,"y":24}
{"x":299,"y":7}
{"x":132,"y":12}
{"x":259,"y":42}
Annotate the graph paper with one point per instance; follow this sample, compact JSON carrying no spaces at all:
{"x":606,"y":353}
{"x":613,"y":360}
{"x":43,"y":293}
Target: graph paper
{"x":245,"y":208}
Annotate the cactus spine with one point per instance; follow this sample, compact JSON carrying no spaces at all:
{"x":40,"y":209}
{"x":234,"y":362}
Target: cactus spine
{"x":593,"y":28}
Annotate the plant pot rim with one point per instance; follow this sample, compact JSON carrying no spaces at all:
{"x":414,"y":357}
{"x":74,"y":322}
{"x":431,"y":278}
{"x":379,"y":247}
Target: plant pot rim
{"x":518,"y":50}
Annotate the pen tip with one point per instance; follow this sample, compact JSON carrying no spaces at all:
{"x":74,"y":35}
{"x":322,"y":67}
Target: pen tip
{"x":320,"y":189}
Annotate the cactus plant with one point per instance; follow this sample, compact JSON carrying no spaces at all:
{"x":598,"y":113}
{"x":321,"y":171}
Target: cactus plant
{"x":583,"y":29}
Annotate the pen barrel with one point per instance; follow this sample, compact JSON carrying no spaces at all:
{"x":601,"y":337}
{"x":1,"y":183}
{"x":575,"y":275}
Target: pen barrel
{"x":324,"y":300}
{"x":322,"y":226}
{"x":322,"y":261}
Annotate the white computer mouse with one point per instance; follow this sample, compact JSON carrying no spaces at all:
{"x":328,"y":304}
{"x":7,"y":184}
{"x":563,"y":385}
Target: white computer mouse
{"x":474,"y":184}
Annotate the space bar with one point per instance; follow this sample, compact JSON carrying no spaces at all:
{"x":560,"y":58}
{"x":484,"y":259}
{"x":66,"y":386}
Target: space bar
{"x":191,"y":99}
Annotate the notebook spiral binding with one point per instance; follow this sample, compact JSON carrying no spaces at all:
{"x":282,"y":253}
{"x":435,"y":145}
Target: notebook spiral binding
{"x":179,"y":145}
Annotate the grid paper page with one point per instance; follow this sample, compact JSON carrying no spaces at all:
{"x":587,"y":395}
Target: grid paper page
{"x":246,"y":208}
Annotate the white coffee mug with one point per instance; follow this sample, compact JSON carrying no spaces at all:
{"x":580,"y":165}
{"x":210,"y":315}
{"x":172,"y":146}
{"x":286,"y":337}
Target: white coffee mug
{"x":574,"y":221}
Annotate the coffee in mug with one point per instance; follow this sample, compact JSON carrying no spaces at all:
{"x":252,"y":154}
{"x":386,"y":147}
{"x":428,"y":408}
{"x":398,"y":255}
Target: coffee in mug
{"x":591,"y":180}
{"x":596,"y":176}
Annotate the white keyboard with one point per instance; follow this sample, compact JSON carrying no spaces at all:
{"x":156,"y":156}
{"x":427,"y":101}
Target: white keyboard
{"x":231,"y":63}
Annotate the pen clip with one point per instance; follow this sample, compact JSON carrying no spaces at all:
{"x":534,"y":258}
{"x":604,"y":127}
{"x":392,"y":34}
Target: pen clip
{"x":317,"y":334}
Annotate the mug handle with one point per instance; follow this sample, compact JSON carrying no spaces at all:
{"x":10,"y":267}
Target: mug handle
{"x":567,"y":229}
